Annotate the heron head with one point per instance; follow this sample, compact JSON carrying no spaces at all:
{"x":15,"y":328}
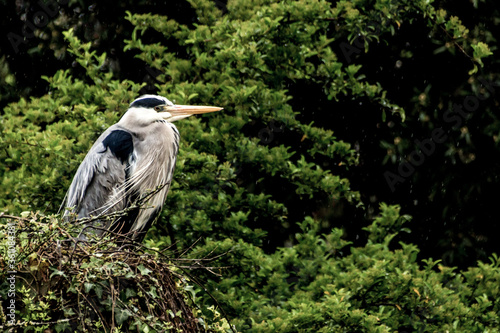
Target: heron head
{"x":165,"y":109}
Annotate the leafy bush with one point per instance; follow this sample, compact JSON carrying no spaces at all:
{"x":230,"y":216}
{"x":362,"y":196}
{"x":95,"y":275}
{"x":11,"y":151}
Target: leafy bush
{"x":98,"y":286}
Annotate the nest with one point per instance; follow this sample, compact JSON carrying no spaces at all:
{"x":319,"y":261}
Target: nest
{"x":65,"y":286}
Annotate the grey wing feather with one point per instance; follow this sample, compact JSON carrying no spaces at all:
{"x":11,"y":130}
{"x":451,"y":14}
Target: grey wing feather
{"x":97,"y":180}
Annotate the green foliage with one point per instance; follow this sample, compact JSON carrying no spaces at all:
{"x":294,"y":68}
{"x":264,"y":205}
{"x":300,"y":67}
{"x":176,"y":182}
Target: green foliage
{"x":322,"y":285}
{"x":241,"y":172}
{"x":318,"y":285}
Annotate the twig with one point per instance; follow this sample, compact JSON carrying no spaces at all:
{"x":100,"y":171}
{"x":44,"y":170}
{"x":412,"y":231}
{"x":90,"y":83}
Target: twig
{"x":7,"y":216}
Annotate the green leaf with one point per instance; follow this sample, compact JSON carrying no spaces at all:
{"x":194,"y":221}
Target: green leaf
{"x":144,"y":270}
{"x":121,"y":315}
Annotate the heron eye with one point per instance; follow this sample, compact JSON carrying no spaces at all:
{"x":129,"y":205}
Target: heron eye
{"x":157,"y":108}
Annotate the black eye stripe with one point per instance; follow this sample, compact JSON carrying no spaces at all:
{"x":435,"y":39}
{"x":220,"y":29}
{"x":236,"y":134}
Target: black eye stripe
{"x":149,"y":102}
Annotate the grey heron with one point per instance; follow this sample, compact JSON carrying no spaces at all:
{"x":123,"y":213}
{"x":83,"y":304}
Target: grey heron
{"x":132,"y":159}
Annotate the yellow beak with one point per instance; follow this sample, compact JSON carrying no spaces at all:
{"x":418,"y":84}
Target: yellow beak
{"x":177,"y":112}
